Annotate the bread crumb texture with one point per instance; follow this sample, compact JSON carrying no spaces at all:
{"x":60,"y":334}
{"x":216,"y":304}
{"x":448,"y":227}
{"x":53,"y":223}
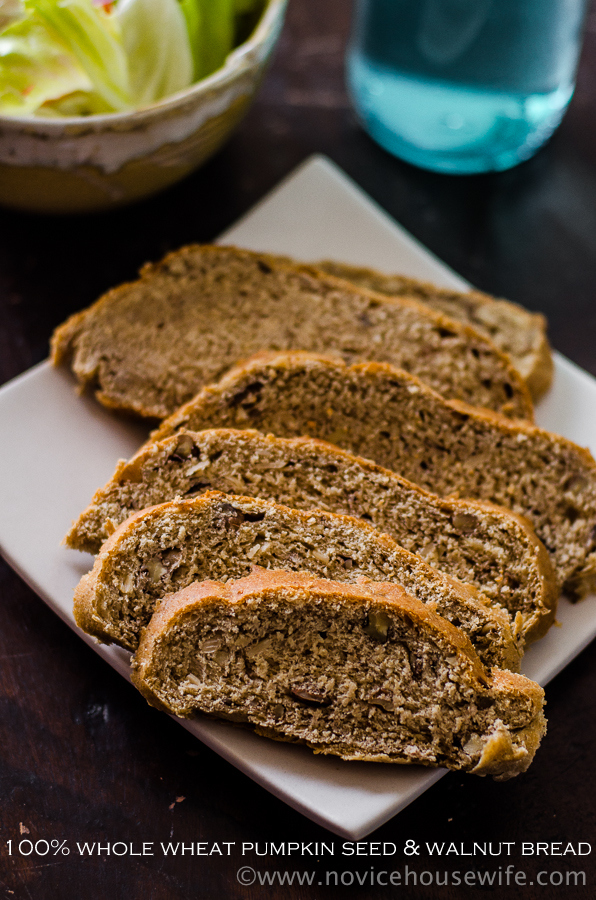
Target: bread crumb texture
{"x":516,"y":331}
{"x":220,"y":537}
{"x":447,"y":447}
{"x":150,"y":345}
{"x":477,"y":543}
{"x":364,"y":672}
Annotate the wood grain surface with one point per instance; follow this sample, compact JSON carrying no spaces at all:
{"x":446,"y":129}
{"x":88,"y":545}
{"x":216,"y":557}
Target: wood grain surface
{"x":82,"y":757}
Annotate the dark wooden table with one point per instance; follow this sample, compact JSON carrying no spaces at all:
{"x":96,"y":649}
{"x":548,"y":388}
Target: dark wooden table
{"x":82,"y":757}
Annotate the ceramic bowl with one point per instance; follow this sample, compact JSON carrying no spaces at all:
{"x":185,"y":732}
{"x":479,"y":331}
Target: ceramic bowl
{"x":82,"y":164}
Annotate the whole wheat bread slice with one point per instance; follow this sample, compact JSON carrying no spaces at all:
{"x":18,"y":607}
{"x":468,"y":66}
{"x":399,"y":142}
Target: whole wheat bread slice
{"x":357,"y":671}
{"x":219,"y":536}
{"x":151,"y":345}
{"x":448,"y":447}
{"x":478,"y":543}
{"x":516,"y":331}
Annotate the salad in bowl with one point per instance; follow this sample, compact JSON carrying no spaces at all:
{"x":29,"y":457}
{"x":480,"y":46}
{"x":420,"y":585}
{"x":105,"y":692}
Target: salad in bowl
{"x":105,"y":102}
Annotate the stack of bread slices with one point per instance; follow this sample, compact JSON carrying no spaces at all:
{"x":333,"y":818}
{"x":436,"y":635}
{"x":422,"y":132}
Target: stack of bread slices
{"x":346,"y":529}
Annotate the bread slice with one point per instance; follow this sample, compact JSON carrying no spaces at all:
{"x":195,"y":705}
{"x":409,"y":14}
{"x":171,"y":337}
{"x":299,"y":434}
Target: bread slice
{"x":516,"y":331}
{"x":218,"y":536}
{"x":356,"y":671}
{"x":151,"y":345}
{"x":478,"y":543}
{"x":450,"y":448}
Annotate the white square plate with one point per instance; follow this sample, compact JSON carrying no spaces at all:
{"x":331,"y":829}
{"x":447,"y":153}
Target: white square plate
{"x":56,"y":448}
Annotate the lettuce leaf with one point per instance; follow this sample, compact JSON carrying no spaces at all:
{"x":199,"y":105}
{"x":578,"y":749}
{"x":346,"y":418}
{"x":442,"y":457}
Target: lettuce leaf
{"x":73,"y":57}
{"x":34,"y":69}
{"x":74,"y":103}
{"x":157,"y":46}
{"x":93,"y":39}
{"x":211,"y":28}
{"x":191,"y":10}
{"x":11,"y":11}
{"x":246,"y":6}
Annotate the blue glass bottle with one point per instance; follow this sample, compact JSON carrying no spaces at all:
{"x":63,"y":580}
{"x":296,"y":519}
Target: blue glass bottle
{"x":463,"y":85}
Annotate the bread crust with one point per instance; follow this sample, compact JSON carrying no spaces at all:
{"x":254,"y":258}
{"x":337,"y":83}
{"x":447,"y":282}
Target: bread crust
{"x":518,"y":332}
{"x":174,"y":606}
{"x":295,"y":372}
{"x":503,"y":752}
{"x":143,"y":482}
{"x":99,"y":596}
{"x":83,"y":609}
{"x":150,"y":375}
